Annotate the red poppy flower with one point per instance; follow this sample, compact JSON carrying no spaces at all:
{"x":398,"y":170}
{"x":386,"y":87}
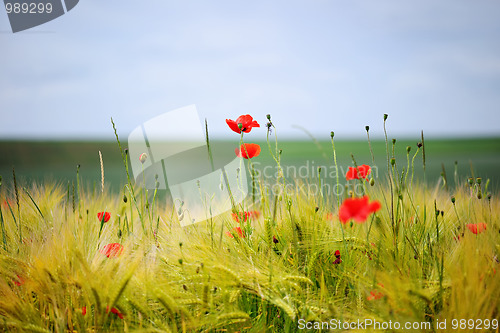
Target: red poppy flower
{"x":19,"y":281}
{"x":275,"y":240}
{"x":236,"y":230}
{"x":112,"y":250}
{"x":84,"y":310}
{"x":106,"y":215}
{"x":246,"y":121}
{"x":248,"y":150}
{"x":376,"y":294}
{"x":360,"y":172}
{"x":337,"y":256}
{"x":245,"y":215}
{"x":477,"y":228}
{"x":357,"y":209}
{"x":115,"y":311}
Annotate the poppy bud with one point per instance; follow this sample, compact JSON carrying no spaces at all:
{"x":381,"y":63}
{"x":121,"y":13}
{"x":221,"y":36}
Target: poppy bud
{"x":125,"y":151}
{"x":367,"y":128}
{"x":316,"y":209}
{"x":393,"y":161}
{"x":393,"y":141}
{"x":281,"y":150}
{"x":479,"y":195}
{"x":408,"y":149}
{"x":471,"y":181}
{"x":385,"y":116}
{"x":372,"y":182}
{"x":419,"y":145}
{"x":119,"y":233}
{"x":479,"y":180}
{"x":268,"y":116}
{"x":180,"y":244}
{"x":489,"y":196}
{"x":180,"y":261}
{"x":184,"y":287}
{"x":143,"y":157}
{"x":125,"y":198}
{"x":453,"y":199}
{"x":332,"y":134}
{"x":442,"y":213}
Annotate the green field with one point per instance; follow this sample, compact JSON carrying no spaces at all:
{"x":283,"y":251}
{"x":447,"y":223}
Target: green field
{"x":58,"y":160}
{"x":403,"y":252}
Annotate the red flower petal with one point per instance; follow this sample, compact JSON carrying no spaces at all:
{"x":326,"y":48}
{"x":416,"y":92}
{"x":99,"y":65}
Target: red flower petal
{"x":248,"y":150}
{"x":236,"y":230}
{"x":476,"y":228}
{"x":239,"y":216}
{"x":19,"y":281}
{"x":233,"y":125}
{"x":357,"y":209}
{"x":84,"y":310}
{"x":351,"y":174}
{"x":106,"y":215}
{"x":112,"y":250}
{"x":360,"y":172}
{"x":115,"y":311}
{"x":364,"y":170}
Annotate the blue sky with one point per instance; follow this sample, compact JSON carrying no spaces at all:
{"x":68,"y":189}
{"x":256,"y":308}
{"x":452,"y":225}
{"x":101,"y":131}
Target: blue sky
{"x":323,"y":65}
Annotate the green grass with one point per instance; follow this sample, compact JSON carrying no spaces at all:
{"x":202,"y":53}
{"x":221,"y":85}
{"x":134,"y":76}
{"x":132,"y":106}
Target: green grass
{"x":408,"y":262}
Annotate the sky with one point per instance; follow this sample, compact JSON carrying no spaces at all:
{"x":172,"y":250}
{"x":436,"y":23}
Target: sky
{"x":323,"y":65}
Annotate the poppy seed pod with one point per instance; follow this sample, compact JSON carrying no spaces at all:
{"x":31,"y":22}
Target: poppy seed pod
{"x":419,"y":145}
{"x":453,"y":199}
{"x":367,"y":128}
{"x":393,"y":141}
{"x":408,"y":149}
{"x":268,"y":116}
{"x":372,"y":182}
{"x":479,"y":180}
{"x":393,"y":161}
{"x":143,"y":157}
{"x":332,"y":134}
{"x":385,"y":116}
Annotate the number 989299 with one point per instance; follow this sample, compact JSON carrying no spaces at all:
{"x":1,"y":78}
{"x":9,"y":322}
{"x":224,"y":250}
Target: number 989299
{"x":28,"y":8}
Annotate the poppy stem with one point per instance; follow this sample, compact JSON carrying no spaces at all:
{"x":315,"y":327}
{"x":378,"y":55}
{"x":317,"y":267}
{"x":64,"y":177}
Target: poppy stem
{"x":390,"y":181}
{"x":337,"y":188}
